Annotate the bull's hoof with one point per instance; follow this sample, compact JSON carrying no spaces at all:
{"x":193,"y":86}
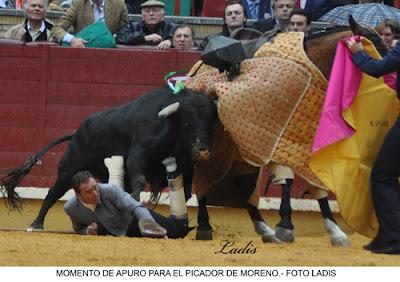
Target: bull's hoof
{"x":268,"y":238}
{"x":340,"y":241}
{"x":204,"y":235}
{"x":284,"y":234}
{"x":35,"y":226}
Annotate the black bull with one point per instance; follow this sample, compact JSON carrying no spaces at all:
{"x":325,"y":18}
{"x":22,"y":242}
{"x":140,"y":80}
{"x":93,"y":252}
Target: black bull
{"x":140,"y":133}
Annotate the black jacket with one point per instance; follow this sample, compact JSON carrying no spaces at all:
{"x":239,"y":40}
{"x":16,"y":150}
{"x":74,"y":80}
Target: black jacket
{"x":134,"y":32}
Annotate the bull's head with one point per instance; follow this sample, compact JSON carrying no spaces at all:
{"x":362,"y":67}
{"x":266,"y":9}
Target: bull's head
{"x":196,"y":115}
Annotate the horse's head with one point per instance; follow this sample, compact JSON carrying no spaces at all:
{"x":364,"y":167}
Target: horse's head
{"x":369,"y":33}
{"x":321,"y":47}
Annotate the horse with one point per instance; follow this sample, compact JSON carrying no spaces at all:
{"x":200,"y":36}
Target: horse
{"x":320,"y":48}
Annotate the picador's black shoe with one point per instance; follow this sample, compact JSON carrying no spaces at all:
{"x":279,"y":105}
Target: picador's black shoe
{"x":393,"y":249}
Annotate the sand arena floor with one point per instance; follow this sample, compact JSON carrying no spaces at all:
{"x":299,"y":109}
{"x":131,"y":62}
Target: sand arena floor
{"x":311,"y":247}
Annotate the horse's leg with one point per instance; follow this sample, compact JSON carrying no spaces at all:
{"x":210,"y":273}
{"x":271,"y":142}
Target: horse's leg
{"x":204,"y":230}
{"x":261,"y":227}
{"x":284,"y":229}
{"x":338,"y":237}
{"x":246,"y":185}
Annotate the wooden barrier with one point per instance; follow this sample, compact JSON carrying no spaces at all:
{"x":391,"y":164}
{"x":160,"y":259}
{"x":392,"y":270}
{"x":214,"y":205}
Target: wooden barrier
{"x":48,"y":90}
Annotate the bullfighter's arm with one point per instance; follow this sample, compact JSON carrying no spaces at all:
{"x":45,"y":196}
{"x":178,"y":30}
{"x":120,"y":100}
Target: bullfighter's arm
{"x":123,"y":201}
{"x":377,"y":68}
{"x":70,"y":208}
{"x":77,"y":225}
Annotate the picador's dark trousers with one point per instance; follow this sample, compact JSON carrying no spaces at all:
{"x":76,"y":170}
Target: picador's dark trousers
{"x":386,"y":189}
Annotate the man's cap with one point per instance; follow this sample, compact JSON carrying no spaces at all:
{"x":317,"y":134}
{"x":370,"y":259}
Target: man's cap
{"x":153,"y":3}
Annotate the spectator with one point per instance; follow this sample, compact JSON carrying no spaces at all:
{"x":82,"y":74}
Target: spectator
{"x":151,"y":30}
{"x":133,"y":6}
{"x":84,"y":12}
{"x":257,"y":9}
{"x":315,"y":8}
{"x":234,"y":18}
{"x":280,"y":20}
{"x":183,"y":37}
{"x":299,"y":21}
{"x":389,"y":30}
{"x":35,"y":27}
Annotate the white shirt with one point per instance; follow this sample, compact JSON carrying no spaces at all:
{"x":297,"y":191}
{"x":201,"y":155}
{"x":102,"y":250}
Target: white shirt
{"x":35,"y":33}
{"x":98,"y":15}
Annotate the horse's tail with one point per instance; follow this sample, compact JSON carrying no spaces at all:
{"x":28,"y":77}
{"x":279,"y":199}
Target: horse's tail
{"x":13,"y":176}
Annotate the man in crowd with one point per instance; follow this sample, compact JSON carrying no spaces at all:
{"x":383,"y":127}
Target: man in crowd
{"x":134,"y":6}
{"x":183,"y":37}
{"x":35,"y":27}
{"x":299,"y":21}
{"x":82,"y":13}
{"x":234,"y":18}
{"x":316,"y":8}
{"x":152,"y":30}
{"x":257,"y":9}
{"x":281,"y":11}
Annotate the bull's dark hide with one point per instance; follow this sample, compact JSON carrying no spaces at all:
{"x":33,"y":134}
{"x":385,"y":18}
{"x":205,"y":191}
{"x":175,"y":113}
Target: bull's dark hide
{"x":135,"y":131}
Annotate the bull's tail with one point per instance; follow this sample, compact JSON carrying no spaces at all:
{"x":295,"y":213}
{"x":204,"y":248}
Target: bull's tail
{"x":13,"y":176}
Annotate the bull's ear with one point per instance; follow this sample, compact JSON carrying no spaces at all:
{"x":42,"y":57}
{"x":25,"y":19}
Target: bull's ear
{"x":168,"y":110}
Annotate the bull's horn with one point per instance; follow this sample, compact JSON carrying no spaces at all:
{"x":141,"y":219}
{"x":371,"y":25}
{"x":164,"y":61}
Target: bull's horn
{"x":168,"y":110}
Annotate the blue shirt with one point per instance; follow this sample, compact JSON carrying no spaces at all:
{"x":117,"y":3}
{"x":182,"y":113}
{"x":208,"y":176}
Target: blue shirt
{"x":390,"y":63}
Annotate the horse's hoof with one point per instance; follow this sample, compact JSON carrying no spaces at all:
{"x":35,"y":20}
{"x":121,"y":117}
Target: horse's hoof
{"x":204,"y":235}
{"x":338,"y":237}
{"x":270,"y":239}
{"x":284,"y":234}
{"x":340,"y":241}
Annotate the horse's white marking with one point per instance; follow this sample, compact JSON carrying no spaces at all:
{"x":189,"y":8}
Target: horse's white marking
{"x":338,"y":237}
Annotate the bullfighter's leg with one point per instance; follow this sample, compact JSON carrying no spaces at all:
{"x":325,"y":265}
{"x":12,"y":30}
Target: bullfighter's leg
{"x":145,"y":225}
{"x":115,"y":166}
{"x":177,"y":201}
{"x":176,"y":225}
